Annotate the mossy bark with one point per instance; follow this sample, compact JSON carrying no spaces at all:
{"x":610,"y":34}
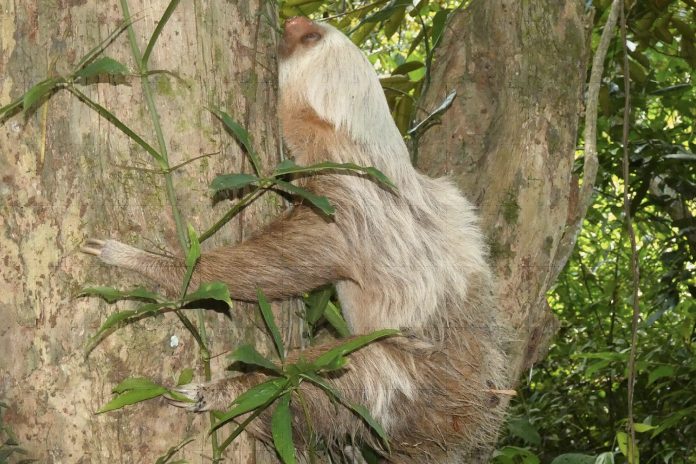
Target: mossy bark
{"x":67,"y":174}
{"x":509,"y":140}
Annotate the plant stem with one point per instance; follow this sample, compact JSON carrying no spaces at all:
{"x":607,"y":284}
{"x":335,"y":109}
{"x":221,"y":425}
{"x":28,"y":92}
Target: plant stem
{"x":150,"y":101}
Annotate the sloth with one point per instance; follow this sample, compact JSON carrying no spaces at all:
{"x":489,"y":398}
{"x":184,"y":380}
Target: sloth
{"x":412,"y":258}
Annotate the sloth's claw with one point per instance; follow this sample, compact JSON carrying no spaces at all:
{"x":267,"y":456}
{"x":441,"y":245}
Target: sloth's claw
{"x":194,"y":393}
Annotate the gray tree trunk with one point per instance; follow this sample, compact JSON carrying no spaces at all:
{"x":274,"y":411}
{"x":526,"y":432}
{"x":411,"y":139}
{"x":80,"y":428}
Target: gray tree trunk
{"x":67,"y":174}
{"x":509,"y":140}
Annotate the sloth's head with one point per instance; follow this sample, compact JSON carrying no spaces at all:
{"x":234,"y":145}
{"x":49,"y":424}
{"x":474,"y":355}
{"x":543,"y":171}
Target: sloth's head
{"x":322,"y":69}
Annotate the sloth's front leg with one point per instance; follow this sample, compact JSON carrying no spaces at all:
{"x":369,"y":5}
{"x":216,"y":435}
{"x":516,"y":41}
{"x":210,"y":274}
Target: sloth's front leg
{"x":295,"y":254}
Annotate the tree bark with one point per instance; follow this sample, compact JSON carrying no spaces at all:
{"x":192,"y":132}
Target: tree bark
{"x":509,"y":141}
{"x":67,"y":174}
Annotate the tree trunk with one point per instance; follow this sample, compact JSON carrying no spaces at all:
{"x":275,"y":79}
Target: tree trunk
{"x":509,"y":141}
{"x":67,"y":174}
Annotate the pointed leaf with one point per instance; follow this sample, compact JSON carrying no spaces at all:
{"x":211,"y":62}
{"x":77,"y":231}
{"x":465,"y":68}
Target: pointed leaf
{"x":101,"y":66}
{"x":158,"y":30}
{"x":259,"y":396}
{"x":351,"y":345}
{"x":242,"y":137}
{"x":210,"y":290}
{"x":131,"y":397}
{"x":109,"y":116}
{"x":335,"y":318}
{"x":281,"y":429}
{"x":185,"y":377}
{"x":232,"y":181}
{"x":135,"y":383}
{"x":362,"y":411}
{"x":192,"y":256}
{"x":660,"y":372}
{"x":39,"y":90}
{"x":164,"y":459}
{"x":247,"y":354}
{"x":317,"y":303}
{"x":289,"y":167}
{"x":320,"y":202}
{"x":111,"y":295}
{"x":267,"y":314}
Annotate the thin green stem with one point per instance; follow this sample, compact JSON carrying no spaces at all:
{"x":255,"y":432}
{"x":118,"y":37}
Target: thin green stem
{"x":198,"y":334}
{"x":150,"y":101}
{"x":246,"y":200}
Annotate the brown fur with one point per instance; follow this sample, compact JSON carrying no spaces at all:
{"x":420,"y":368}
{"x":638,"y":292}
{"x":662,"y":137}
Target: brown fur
{"x":412,"y":259}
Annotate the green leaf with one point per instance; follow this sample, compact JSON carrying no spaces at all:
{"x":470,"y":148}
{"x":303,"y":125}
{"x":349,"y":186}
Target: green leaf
{"x":317,"y":302}
{"x":135,"y":383}
{"x":660,"y":372}
{"x":335,"y":318}
{"x":362,"y":411}
{"x":522,"y":428}
{"x":242,"y":137}
{"x":356,"y":408}
{"x":605,"y":458}
{"x":641,"y":427}
{"x":260,"y":396}
{"x":185,"y":377}
{"x":289,"y":167}
{"x":281,"y":429}
{"x":574,"y":458}
{"x":210,"y":290}
{"x":122,"y":317}
{"x":623,"y":439}
{"x":320,"y":202}
{"x":268,"y":318}
{"x":111,"y":295}
{"x":192,"y":256}
{"x":407,"y":67}
{"x":109,"y":116}
{"x":232,"y":181}
{"x":247,"y":354}
{"x":351,"y":345}
{"x":38,"y":91}
{"x":101,"y":66}
{"x":158,"y":30}
{"x":11,"y":107}
{"x":131,"y":397}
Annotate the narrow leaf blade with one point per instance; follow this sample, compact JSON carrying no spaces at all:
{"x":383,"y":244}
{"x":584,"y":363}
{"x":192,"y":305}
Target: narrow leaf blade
{"x":281,"y":429}
{"x":320,"y":202}
{"x":267,"y":314}
{"x":131,"y":397}
{"x":247,"y":354}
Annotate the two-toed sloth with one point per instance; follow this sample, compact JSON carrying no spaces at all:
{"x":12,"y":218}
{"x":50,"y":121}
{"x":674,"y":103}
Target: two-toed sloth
{"x":413,"y":258}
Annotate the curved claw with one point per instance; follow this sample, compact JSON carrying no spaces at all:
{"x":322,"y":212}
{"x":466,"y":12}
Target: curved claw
{"x":193,"y":397}
{"x":93,"y":246}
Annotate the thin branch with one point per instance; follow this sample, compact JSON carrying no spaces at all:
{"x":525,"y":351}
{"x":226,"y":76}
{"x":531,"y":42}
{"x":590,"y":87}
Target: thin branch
{"x":635,"y":270}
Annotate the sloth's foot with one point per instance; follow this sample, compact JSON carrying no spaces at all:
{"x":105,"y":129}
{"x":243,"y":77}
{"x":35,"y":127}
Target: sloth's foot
{"x":112,"y":252}
{"x":208,"y":396}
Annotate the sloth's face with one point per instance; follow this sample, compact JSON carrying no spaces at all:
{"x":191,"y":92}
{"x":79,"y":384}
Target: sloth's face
{"x":299,"y":35}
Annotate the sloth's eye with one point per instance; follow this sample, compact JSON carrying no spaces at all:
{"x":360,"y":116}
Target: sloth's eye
{"x":310,"y":37}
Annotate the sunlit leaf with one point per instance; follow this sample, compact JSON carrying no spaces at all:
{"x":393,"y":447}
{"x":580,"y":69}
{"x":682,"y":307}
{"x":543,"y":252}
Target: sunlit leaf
{"x":259,"y":396}
{"x":111,"y":295}
{"x":268,"y":318}
{"x":242,"y":136}
{"x":281,"y":429}
{"x":102,"y":66}
{"x":158,"y":30}
{"x":132,"y":397}
{"x":353,"y":344}
{"x":210,"y":290}
{"x":185,"y":377}
{"x":247,"y":354}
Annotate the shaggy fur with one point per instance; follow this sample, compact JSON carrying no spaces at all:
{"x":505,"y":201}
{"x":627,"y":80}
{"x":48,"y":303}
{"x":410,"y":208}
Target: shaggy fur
{"x":413,"y":259}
